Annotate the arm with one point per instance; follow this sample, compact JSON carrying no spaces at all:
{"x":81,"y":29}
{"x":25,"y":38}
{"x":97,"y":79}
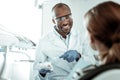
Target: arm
{"x":39,"y":58}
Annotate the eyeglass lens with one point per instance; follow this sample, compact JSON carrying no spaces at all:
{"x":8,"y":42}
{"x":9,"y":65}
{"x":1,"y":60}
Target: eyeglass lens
{"x":63,"y":17}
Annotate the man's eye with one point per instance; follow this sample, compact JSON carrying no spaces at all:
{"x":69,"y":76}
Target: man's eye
{"x":62,"y":18}
{"x":67,"y":17}
{"x":58,"y":19}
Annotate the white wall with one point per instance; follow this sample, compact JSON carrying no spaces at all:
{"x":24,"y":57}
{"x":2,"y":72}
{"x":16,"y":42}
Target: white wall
{"x":21,"y":17}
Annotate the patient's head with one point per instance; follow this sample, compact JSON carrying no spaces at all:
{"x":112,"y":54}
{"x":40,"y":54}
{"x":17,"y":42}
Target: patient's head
{"x":103,"y":25}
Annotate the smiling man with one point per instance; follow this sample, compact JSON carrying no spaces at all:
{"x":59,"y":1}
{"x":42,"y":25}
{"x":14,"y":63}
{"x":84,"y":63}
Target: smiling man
{"x":61,"y":47}
{"x":63,"y":20}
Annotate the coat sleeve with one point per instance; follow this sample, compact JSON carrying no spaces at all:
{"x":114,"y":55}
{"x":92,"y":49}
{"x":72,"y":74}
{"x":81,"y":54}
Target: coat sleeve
{"x":39,"y":59}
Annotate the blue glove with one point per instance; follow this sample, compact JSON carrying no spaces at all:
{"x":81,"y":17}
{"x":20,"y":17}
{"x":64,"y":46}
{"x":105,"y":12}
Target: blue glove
{"x":43,"y":72}
{"x":71,"y":55}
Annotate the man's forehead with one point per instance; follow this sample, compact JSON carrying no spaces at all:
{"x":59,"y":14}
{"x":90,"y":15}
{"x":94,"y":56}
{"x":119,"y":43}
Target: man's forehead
{"x":63,"y":8}
{"x":62,"y":12}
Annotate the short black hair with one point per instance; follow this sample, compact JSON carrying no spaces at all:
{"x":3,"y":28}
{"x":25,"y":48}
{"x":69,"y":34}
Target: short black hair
{"x":60,"y":5}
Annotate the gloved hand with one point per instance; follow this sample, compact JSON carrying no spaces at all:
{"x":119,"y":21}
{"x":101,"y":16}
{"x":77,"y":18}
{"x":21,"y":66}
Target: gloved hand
{"x":71,"y":55}
{"x":45,"y":68}
{"x":43,"y":72}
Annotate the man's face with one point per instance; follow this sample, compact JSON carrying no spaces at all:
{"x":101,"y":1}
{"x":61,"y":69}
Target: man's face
{"x":63,"y":19}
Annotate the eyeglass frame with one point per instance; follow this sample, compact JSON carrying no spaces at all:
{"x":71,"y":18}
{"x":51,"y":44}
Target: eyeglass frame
{"x":62,"y":18}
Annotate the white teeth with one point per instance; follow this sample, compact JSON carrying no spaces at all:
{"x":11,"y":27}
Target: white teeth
{"x":66,"y":27}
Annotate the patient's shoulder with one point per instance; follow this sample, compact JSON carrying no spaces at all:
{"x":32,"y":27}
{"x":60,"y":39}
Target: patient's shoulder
{"x":92,"y":73}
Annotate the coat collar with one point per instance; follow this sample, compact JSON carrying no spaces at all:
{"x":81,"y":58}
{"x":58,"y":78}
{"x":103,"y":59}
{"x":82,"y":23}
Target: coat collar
{"x":55,"y":39}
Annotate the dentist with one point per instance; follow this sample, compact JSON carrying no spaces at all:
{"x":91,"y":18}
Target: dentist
{"x":59,"y":50}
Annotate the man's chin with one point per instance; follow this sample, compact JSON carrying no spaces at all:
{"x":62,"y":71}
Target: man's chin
{"x":67,"y":33}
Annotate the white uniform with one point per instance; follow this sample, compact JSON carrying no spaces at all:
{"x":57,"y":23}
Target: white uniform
{"x":50,"y":48}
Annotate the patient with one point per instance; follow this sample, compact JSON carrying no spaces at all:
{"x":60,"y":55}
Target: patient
{"x":103,"y":25}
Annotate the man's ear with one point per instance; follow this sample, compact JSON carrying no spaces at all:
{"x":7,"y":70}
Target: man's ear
{"x":53,"y":21}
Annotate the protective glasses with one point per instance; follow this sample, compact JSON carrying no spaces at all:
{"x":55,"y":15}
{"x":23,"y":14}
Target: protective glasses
{"x":63,"y":17}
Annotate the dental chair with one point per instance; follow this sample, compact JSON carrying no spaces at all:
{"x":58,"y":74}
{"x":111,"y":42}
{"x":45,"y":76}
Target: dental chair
{"x":6,"y":40}
{"x":104,"y":72}
{"x":15,"y":63}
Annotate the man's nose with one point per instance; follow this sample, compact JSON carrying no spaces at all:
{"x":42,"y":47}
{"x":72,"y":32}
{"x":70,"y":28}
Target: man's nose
{"x":65,"y":23}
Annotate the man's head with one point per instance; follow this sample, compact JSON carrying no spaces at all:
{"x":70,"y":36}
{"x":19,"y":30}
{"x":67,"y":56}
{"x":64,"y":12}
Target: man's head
{"x":62,"y":18}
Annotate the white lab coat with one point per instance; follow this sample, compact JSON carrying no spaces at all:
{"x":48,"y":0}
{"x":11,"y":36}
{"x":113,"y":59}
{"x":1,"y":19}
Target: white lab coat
{"x":50,"y":48}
